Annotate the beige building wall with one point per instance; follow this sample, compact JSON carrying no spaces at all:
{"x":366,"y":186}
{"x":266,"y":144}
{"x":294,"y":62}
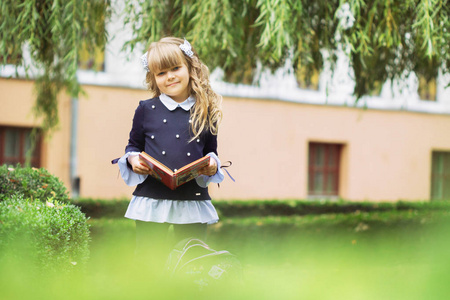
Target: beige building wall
{"x":386,"y":154}
{"x":16,"y":102}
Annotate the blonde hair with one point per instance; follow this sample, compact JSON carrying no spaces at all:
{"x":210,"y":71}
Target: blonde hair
{"x":206,"y":114}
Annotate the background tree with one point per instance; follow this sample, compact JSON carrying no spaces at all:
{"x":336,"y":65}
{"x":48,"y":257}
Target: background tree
{"x":384,"y":39}
{"x":54,"y":32}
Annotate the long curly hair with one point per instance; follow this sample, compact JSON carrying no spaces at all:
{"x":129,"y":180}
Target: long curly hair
{"x":206,"y":114}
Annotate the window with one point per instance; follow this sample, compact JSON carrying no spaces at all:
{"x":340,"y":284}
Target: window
{"x":427,"y":88}
{"x":440,"y":176}
{"x":16,"y":142}
{"x":376,"y":88}
{"x":12,"y":56}
{"x":307,"y":79}
{"x":88,"y":60}
{"x":323,"y":169}
{"x":91,"y":56}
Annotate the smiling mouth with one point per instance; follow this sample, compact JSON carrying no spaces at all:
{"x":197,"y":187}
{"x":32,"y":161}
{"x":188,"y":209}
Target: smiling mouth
{"x":172,"y":84}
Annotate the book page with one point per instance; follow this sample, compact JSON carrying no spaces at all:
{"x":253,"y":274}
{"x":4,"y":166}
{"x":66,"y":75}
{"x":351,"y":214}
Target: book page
{"x":191,"y":171}
{"x":155,"y":164}
{"x":170,"y":179}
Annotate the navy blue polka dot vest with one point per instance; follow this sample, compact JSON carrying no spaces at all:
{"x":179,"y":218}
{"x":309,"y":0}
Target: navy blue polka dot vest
{"x":165,"y":135}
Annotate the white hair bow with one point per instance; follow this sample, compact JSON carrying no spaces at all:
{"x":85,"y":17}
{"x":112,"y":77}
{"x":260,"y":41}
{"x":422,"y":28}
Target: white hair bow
{"x":185,"y":47}
{"x":145,"y":61}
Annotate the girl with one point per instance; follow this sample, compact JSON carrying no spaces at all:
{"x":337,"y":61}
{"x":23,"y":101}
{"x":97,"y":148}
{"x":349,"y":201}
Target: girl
{"x":177,"y":126}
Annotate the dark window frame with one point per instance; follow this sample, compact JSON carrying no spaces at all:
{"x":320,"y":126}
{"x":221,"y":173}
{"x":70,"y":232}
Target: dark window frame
{"x":328,"y":170}
{"x":427,"y":89}
{"x":20,"y":158}
{"x":440,"y":179}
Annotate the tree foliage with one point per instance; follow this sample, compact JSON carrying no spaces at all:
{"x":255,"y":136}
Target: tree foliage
{"x":384,"y":39}
{"x":54,"y":32}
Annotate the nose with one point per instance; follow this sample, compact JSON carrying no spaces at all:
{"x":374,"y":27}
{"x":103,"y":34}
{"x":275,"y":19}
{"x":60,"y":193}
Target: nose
{"x":170,"y":75}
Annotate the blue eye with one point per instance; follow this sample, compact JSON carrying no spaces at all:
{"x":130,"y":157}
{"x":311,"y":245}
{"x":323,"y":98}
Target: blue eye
{"x":175,"y":68}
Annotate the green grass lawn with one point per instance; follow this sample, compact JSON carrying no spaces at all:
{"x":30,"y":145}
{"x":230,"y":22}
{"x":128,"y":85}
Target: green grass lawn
{"x":377,"y":255}
{"x":380,"y":255}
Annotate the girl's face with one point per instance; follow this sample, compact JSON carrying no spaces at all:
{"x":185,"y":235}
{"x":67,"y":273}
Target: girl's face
{"x":174,"y":82}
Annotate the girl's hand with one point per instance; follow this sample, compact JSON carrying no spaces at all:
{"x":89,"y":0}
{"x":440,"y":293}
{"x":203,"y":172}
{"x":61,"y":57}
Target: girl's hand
{"x":138,"y":165}
{"x":211,"y":169}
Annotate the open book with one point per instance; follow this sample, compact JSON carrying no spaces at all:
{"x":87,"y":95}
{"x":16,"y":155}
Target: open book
{"x":174,"y":179}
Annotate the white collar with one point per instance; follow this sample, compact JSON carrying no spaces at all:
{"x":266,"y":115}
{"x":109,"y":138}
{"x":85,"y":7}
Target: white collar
{"x":172,"y":104}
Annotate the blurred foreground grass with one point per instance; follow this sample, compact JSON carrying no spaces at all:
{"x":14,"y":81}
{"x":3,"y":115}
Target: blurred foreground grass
{"x":378,"y":255}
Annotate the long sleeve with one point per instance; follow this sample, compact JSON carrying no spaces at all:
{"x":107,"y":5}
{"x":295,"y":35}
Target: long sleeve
{"x":204,"y":180}
{"x":130,"y":178}
{"x":136,"y":141}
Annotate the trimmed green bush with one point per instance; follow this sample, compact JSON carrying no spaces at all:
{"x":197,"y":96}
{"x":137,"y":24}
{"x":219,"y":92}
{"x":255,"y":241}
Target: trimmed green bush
{"x":38,"y":226}
{"x":32,"y":183}
{"x":97,"y":208}
{"x":51,"y":236}
{"x":246,"y":208}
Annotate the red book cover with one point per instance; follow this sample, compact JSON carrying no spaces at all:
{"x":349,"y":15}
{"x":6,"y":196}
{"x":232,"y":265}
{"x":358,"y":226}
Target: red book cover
{"x":174,"y":179}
